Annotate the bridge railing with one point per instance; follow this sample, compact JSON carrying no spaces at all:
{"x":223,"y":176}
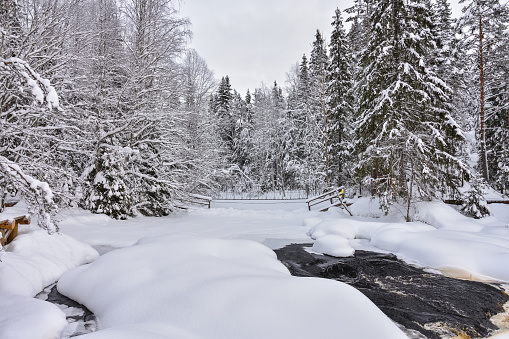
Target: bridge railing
{"x":258,"y":193}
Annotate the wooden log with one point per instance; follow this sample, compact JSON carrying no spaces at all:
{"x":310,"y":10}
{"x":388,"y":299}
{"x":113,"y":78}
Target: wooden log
{"x":460,"y":202}
{"x":498,"y":202}
{"x":453,"y":202}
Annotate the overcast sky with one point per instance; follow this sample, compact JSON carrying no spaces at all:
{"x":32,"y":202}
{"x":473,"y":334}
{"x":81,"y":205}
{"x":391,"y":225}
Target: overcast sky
{"x":255,"y":41}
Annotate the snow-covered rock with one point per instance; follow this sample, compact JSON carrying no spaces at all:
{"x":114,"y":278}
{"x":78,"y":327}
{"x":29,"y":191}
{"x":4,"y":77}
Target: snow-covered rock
{"x":334,"y":245}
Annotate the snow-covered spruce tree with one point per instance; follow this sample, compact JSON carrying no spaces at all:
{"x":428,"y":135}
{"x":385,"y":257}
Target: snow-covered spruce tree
{"x":224,"y":115}
{"x":358,"y":35}
{"x":102,"y":77}
{"x":403,"y":127}
{"x":301,"y":112}
{"x":317,"y":140}
{"x":497,"y":103}
{"x":242,"y":143}
{"x":497,"y":135}
{"x":474,"y":202}
{"x":340,"y":103}
{"x":484,"y":28}
{"x":306,"y":123}
{"x":285,"y":174}
{"x":111,"y":194}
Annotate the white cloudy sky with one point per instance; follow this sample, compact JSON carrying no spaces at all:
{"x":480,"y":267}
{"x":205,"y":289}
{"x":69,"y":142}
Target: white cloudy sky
{"x":255,"y":41}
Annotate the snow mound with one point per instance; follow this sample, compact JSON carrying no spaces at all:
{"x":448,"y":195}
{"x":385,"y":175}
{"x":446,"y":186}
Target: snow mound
{"x":442,"y":216}
{"x":34,"y":318}
{"x":483,"y":255}
{"x":448,"y":240}
{"x":334,"y":245}
{"x":213,"y":288}
{"x":36,"y":259}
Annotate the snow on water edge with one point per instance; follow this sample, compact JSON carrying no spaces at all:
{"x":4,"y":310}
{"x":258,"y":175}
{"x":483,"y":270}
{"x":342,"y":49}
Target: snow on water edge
{"x":447,"y":241}
{"x":36,"y":259}
{"x":213,"y":288}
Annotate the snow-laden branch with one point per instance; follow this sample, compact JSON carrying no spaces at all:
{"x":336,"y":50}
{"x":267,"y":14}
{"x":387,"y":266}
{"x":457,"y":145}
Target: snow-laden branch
{"x":37,"y":194}
{"x":40,"y":87}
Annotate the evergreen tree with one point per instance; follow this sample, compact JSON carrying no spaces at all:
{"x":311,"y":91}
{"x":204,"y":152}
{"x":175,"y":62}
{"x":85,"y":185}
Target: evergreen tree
{"x":404,"y":131}
{"x":318,"y":143}
{"x":440,"y":58}
{"x":475,"y":204}
{"x":242,"y":147}
{"x":111,"y":195}
{"x":340,"y":104}
{"x":484,"y":28}
{"x":359,"y":32}
{"x":304,"y":84}
{"x":223,"y":112}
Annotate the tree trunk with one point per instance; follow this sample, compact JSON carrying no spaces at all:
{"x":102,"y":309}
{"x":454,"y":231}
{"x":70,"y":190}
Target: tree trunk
{"x":409,"y":199}
{"x":484,"y":158}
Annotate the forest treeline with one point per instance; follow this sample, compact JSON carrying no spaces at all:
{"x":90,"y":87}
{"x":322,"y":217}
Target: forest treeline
{"x":389,"y":106}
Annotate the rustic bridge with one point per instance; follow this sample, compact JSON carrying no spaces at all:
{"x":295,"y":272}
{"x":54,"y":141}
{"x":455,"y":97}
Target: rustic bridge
{"x":333,"y":197}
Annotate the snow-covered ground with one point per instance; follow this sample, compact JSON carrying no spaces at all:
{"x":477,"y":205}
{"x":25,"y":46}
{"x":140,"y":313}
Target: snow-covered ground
{"x":211,"y":273}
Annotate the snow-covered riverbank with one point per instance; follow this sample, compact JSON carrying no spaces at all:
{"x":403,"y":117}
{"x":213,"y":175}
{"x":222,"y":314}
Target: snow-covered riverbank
{"x":204,"y":274}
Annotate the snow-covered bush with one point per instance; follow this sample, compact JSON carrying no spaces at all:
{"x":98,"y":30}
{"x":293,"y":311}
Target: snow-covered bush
{"x":108,"y":192}
{"x":475,"y":204}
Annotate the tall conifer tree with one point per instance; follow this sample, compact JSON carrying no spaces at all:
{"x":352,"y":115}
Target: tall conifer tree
{"x":403,"y":128}
{"x":339,"y":103}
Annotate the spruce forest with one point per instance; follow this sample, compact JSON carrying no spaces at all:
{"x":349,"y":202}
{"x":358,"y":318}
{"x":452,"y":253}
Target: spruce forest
{"x":103,"y":102}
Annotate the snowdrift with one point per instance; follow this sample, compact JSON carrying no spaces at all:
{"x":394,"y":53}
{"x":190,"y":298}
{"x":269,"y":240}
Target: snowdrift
{"x":36,"y":259}
{"x":198,"y":287}
{"x":448,"y":240}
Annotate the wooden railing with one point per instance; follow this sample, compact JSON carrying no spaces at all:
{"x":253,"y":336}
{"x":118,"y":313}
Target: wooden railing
{"x":334,"y":197}
{"x":9,"y":228}
{"x":200,"y":200}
